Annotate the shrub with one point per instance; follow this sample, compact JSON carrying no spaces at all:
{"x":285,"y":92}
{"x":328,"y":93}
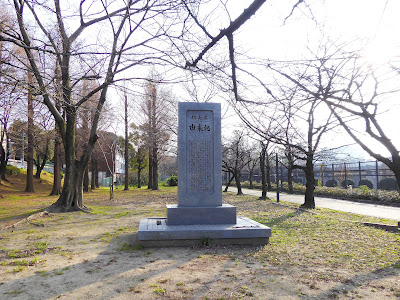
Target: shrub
{"x":388,"y":184}
{"x":331,"y":183}
{"x":366,"y":182}
{"x":172,"y":181}
{"x":364,"y":189}
{"x":62,"y":175}
{"x":12,"y":170}
{"x":346,"y":183}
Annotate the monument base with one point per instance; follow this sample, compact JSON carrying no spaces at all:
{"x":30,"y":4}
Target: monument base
{"x":182,"y":215}
{"x":156,"y":232}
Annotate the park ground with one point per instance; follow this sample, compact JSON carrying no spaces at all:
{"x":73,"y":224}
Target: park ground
{"x":312,"y":254}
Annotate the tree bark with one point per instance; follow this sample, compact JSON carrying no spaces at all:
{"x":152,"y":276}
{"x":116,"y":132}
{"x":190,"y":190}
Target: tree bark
{"x":57,"y":166}
{"x":29,"y":170}
{"x":40,"y":166}
{"x":309,"y":201}
{"x":126,"y":156}
{"x":57,"y":141}
{"x":93,"y":170}
{"x":268,"y":173}
{"x":228,"y":184}
{"x":96,"y":175}
{"x":72,"y":193}
{"x":155,"y":169}
{"x":238,"y":184}
{"x":290,"y":179}
{"x":139,"y":185}
{"x":3,"y":163}
{"x":263,"y":153}
{"x":150,"y":185}
{"x":86,"y":180}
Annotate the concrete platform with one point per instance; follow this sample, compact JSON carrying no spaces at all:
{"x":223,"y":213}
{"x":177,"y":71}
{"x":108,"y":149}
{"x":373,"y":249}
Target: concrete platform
{"x":156,"y":232}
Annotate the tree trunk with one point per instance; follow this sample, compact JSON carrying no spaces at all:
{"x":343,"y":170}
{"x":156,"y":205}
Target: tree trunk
{"x":57,"y":146}
{"x":93,"y":170}
{"x":290,"y":180}
{"x":72,"y":193}
{"x":139,"y":185}
{"x":238,"y":184}
{"x":96,"y":175}
{"x":155,"y":169}
{"x":86,"y":180}
{"x":263,"y":174}
{"x":3,"y":163}
{"x":126,"y":156}
{"x":29,"y":170}
{"x":251,"y":179}
{"x":150,"y":185}
{"x":309,"y":201}
{"x":39,"y":167}
{"x":228,"y":184}
{"x":71,"y":198}
{"x":268,"y":173}
{"x":57,"y":167}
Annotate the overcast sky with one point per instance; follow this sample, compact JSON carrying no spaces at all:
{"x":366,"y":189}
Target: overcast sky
{"x":370,"y":25}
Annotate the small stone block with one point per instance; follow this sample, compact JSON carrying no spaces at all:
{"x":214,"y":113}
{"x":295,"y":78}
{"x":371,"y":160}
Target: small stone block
{"x":224,"y":214}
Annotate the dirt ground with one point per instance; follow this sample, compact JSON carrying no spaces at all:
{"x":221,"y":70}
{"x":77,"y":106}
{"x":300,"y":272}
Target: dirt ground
{"x":96,"y":256}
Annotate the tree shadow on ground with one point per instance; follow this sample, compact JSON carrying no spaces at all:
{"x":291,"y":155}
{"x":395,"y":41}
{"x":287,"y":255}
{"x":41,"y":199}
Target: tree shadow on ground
{"x":364,"y":279}
{"x":117,"y":269}
{"x":278,"y":220}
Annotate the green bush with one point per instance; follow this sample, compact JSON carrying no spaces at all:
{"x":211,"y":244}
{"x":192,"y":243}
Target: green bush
{"x":62,"y":175}
{"x":12,"y":170}
{"x":388,"y":184}
{"x":172,"y":181}
{"x":346,"y":183}
{"x":331,"y":183}
{"x":366,"y":182}
{"x":364,"y":188}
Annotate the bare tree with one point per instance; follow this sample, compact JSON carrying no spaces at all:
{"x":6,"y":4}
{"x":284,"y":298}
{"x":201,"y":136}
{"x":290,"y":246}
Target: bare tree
{"x":299,"y":121}
{"x":354,"y":92}
{"x":82,"y":58}
{"x":253,"y":163}
{"x":29,"y":160}
{"x":265,"y":168}
{"x":63,"y":45}
{"x":235,"y":157}
{"x":155,"y":133}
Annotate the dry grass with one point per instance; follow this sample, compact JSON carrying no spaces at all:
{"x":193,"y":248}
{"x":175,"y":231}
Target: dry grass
{"x":319,"y":254}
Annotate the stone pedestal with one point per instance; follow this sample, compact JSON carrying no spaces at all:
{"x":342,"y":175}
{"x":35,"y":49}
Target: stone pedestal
{"x":200,"y":213}
{"x":178,"y":215}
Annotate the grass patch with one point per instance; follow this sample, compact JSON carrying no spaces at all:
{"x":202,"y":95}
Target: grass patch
{"x":320,"y":238}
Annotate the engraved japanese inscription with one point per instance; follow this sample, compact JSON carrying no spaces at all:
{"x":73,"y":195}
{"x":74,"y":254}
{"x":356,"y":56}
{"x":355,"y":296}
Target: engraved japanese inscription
{"x":200,"y":152}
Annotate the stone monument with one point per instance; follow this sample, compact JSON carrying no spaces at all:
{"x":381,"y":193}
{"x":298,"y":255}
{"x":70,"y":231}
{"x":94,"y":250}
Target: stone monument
{"x":200,"y":213}
{"x":199,"y":168}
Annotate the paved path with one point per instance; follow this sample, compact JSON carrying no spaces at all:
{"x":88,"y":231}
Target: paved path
{"x":374,"y":210}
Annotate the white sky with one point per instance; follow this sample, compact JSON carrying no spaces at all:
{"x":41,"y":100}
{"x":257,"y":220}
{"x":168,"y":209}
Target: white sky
{"x":372,"y":23}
